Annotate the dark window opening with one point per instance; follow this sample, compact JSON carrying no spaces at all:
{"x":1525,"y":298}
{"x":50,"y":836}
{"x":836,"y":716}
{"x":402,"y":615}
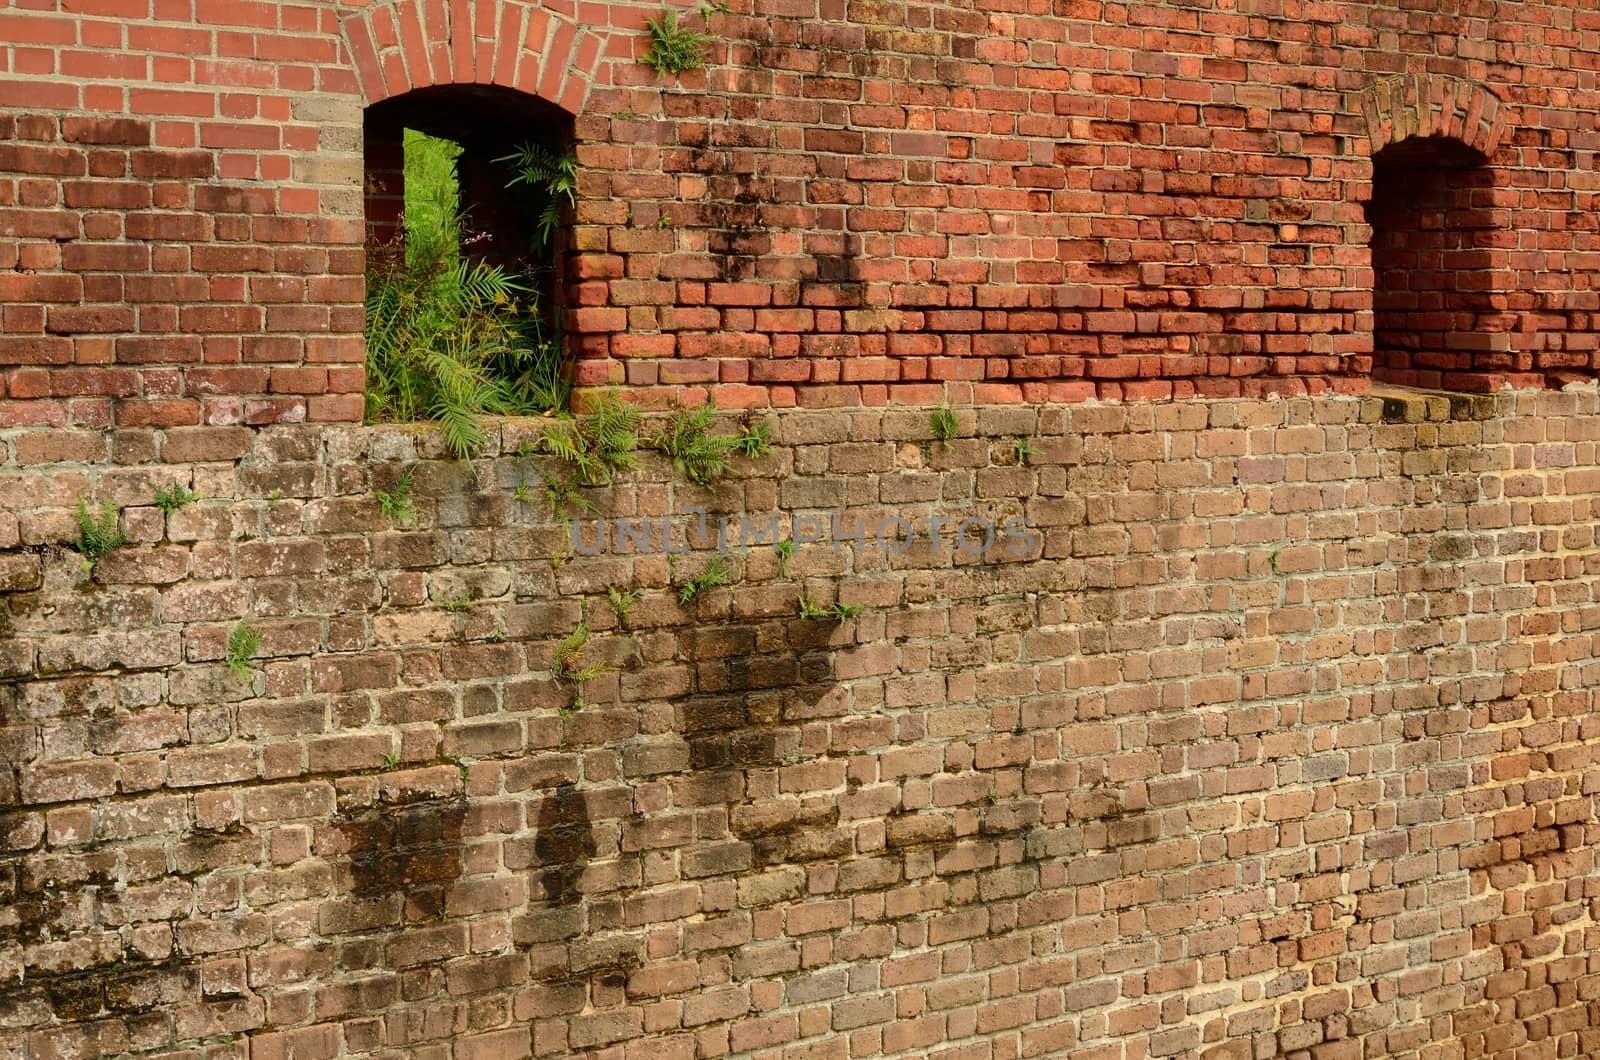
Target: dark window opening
{"x":1439,"y":317}
{"x":465,"y":187}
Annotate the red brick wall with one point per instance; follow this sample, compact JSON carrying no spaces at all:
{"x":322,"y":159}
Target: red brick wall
{"x":855,"y":202}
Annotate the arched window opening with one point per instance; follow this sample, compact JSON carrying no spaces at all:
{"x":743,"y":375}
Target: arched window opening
{"x":1438,"y":301}
{"x":465,"y":189}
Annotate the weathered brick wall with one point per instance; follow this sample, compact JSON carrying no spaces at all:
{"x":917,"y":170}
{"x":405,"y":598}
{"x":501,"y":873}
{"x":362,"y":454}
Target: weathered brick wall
{"x":856,"y":202}
{"x":1278,"y":742}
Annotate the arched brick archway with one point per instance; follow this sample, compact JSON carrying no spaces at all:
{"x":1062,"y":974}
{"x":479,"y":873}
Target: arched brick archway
{"x":1424,"y":105}
{"x":1441,"y":239}
{"x":411,"y":44}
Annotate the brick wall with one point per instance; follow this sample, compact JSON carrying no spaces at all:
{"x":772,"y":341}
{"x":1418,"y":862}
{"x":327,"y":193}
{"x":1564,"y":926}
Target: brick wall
{"x":1277,"y":745}
{"x":1277,"y":740}
{"x":856,"y":202}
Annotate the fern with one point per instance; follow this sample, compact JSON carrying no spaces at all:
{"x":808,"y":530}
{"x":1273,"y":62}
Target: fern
{"x":99,"y":535}
{"x":552,"y":178}
{"x":599,"y":446}
{"x":569,"y":664}
{"x":621,"y":601}
{"x":396,"y":503}
{"x":674,"y":47}
{"x":810,"y":609}
{"x":452,"y":339}
{"x":243,"y":643}
{"x":700,"y":456}
{"x":944,"y":423}
{"x":714,"y":573}
{"x":562,"y":494}
{"x":178,"y":496}
{"x":755,"y":439}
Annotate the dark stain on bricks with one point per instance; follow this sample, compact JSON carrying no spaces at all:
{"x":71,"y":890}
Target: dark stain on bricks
{"x":412,"y":851}
{"x":563,"y":844}
{"x":747,"y":713}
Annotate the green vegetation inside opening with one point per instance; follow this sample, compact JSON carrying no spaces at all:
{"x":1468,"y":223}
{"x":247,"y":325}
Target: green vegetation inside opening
{"x":452,"y":338}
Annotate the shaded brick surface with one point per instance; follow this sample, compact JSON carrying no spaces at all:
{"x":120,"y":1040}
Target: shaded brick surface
{"x":1278,"y":742}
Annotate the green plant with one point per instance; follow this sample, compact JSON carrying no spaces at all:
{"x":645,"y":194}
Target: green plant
{"x":569,"y":664}
{"x":1025,"y":450}
{"x":450,"y":338}
{"x":522,"y":495}
{"x":454,"y":340}
{"x":99,"y":535}
{"x":178,"y":496}
{"x":390,"y":760}
{"x":621,"y":600}
{"x":552,"y":179}
{"x":597,"y":446}
{"x":275,"y":496}
{"x":755,"y":438}
{"x":674,"y":47}
{"x":699,"y":455}
{"x":395,"y":503}
{"x":458,"y":604}
{"x":561,"y":493}
{"x":785,"y":552}
{"x":944,"y":423}
{"x":809,"y":608}
{"x":713,"y":574}
{"x":243,"y":643}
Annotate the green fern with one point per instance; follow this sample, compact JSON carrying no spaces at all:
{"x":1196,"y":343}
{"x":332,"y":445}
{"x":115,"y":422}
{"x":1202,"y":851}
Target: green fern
{"x":569,"y":664}
{"x":714,"y":573}
{"x":809,"y":608}
{"x":755,"y":439}
{"x":563,"y":494}
{"x":785,"y":552}
{"x":99,"y":535}
{"x":944,"y":423}
{"x":599,"y":446}
{"x":178,"y":496}
{"x":700,"y":456}
{"x":674,"y":47}
{"x":396,"y":503}
{"x":243,"y":643}
{"x":621,"y":601}
{"x":553,"y":180}
{"x":449,"y":338}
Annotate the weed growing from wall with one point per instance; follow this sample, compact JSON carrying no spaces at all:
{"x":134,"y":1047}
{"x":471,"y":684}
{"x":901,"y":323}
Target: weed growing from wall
{"x":674,"y":47}
{"x":243,"y":643}
{"x":99,"y":535}
{"x":177,"y":496}
{"x":395,"y":503}
{"x":713,"y":574}
{"x":699,"y":455}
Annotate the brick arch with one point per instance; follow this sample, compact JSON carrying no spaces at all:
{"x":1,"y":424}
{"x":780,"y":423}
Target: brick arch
{"x":402,"y":45}
{"x":1423,"y":105}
